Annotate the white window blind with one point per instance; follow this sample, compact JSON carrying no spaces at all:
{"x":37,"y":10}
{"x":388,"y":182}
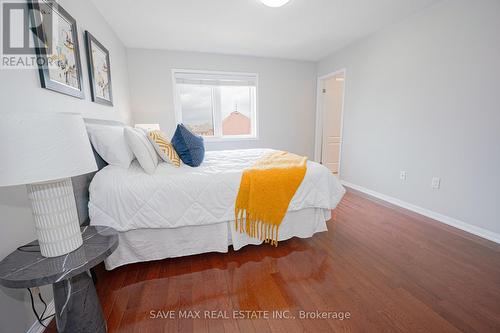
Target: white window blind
{"x":216,"y":79}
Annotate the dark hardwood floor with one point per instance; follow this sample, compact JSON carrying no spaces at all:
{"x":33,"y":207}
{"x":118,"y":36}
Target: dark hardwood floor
{"x":390,"y":269}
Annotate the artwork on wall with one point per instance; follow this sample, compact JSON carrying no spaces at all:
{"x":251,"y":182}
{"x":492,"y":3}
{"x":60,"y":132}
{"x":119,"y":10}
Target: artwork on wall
{"x":99,"y":71}
{"x":58,"y":53}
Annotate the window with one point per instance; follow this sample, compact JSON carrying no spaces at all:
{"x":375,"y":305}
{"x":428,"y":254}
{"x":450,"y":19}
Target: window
{"x":217,"y":105}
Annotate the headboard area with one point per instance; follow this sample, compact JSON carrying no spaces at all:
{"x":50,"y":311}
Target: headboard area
{"x":81,"y":183}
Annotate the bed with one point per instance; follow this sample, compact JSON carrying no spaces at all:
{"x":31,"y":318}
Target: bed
{"x":185,"y":211}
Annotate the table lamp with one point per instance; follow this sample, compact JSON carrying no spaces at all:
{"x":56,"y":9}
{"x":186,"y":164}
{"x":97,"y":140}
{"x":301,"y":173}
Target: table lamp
{"x":44,"y":150}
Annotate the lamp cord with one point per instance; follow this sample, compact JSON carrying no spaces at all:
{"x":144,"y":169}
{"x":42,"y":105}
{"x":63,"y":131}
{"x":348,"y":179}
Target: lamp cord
{"x":24,"y":247}
{"x":41,"y":317}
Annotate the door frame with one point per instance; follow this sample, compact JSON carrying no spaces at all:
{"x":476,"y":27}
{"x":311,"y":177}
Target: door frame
{"x":318,"y":142}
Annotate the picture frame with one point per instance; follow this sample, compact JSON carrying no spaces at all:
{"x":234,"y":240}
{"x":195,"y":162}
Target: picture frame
{"x":99,"y":71}
{"x":57,"y":48}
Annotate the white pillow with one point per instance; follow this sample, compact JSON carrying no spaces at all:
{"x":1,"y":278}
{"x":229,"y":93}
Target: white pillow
{"x":110,"y":143}
{"x":142,"y":148}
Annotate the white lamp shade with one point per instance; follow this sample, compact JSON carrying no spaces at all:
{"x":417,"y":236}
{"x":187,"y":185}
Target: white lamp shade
{"x":40,"y":146}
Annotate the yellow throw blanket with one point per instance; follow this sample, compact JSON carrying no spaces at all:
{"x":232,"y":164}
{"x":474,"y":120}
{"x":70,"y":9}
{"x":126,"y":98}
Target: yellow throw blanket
{"x":266,"y":190}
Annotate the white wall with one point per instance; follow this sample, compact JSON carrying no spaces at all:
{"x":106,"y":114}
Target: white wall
{"x":20,"y":90}
{"x":286,"y":94}
{"x":423,"y":96}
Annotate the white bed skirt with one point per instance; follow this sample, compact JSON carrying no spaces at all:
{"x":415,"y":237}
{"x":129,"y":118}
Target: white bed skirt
{"x":155,"y":244}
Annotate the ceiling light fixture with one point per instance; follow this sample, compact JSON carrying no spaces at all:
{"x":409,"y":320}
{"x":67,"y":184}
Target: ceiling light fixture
{"x":275,"y":3}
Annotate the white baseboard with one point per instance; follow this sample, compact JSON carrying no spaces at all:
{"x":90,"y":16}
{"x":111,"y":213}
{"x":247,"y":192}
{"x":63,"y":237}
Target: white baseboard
{"x":37,"y":327}
{"x":483,"y":233}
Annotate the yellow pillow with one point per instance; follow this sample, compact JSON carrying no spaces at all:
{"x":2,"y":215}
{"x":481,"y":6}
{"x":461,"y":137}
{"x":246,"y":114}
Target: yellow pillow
{"x":163,"y":147}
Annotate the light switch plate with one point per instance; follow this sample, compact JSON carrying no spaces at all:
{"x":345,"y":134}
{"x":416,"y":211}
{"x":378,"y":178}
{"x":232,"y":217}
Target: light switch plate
{"x":436,"y":183}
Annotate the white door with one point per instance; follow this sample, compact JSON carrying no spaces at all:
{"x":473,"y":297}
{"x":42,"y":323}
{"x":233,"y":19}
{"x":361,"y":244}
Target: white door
{"x":333,"y":100}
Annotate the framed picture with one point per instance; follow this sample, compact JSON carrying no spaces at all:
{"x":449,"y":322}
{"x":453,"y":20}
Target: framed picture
{"x":99,"y":71}
{"x":58,"y":53}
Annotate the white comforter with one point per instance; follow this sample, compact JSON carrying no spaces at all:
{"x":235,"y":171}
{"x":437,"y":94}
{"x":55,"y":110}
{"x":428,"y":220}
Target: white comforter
{"x":128,"y":199}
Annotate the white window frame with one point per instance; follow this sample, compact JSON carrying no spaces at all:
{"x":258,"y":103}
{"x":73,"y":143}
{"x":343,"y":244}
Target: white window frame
{"x":216,"y":100}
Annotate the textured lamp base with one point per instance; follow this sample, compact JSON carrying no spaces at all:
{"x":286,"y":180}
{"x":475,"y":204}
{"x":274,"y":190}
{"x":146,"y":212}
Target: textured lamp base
{"x":56,"y":218}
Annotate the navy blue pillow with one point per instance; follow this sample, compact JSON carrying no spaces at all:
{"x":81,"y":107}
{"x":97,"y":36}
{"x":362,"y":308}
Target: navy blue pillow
{"x":189,"y":146}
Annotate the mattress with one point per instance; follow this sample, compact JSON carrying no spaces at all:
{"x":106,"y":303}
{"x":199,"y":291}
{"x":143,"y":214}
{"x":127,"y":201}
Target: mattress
{"x":129,"y":199}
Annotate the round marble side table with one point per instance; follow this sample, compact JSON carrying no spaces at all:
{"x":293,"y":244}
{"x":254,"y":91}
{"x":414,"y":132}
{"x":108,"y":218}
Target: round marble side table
{"x":76,"y":304}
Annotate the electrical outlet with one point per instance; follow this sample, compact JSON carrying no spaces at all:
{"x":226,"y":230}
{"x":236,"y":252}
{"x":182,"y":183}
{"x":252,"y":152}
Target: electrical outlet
{"x":436,"y":183}
{"x":403,"y":175}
